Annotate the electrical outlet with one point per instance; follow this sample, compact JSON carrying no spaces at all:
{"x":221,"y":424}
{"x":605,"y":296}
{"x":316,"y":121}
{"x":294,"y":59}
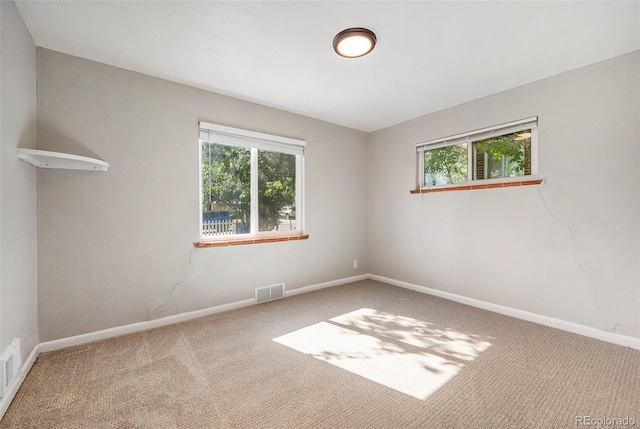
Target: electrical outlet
{"x":355,"y":263}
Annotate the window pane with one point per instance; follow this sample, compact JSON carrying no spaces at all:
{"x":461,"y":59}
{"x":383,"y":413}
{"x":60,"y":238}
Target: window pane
{"x":276,"y":191}
{"x":502,"y":156}
{"x":226,"y":190}
{"x":445,"y":165}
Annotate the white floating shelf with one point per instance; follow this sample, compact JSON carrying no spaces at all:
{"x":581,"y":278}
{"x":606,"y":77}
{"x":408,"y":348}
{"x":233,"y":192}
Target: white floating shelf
{"x":66,"y":161}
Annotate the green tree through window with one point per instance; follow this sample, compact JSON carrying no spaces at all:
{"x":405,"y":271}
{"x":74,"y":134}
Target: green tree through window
{"x":503,"y":156}
{"x":276,"y":186}
{"x":492,"y":153}
{"x":226,"y":179}
{"x":446,"y":165}
{"x":252,"y":183}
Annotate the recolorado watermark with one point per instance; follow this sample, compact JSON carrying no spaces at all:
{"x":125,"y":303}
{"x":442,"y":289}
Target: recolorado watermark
{"x":605,"y":421}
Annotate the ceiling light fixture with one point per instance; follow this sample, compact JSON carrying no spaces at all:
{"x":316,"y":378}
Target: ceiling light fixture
{"x":354,"y":42}
{"x":522,"y":136}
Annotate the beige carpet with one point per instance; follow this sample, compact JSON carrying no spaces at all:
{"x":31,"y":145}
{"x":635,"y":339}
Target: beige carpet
{"x":363,"y":355}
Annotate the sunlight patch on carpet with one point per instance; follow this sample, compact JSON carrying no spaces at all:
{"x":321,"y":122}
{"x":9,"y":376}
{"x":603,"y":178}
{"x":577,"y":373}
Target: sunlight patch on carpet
{"x":408,"y":355}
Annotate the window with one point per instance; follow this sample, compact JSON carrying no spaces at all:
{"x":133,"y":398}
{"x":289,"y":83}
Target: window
{"x":500,"y":152}
{"x":251,"y":184}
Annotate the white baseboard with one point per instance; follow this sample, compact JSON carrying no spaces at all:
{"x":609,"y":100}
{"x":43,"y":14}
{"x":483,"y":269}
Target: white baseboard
{"x":332,"y":283}
{"x":587,"y":331}
{"x":139,"y":327}
{"x":12,"y":389}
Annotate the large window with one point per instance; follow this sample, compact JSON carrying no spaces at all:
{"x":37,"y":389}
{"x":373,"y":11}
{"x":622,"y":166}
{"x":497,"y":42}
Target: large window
{"x":499,"y":152}
{"x":251,"y":184}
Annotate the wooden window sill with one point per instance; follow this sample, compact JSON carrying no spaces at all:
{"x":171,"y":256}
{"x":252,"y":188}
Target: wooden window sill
{"x":472,"y":187}
{"x":238,"y":242}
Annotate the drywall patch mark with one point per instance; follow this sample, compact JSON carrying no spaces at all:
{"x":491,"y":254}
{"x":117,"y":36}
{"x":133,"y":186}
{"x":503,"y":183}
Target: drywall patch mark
{"x":165,"y":304}
{"x":575,"y":258}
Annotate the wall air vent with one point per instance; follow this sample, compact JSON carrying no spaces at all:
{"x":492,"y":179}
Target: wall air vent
{"x":269,"y":293}
{"x":10,"y":363}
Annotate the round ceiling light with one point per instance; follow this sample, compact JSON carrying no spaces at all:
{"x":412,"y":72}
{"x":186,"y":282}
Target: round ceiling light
{"x":354,"y":42}
{"x":522,"y":136}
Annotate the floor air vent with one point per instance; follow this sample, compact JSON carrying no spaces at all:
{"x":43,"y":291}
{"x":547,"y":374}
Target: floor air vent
{"x":269,"y":293}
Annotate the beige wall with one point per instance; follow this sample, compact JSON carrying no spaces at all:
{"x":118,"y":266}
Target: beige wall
{"x":18,"y":282}
{"x":502,"y":245}
{"x":113,"y":245}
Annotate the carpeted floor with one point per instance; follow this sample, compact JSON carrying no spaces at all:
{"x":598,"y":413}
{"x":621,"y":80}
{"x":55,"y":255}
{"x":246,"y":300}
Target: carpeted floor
{"x":362,"y":355}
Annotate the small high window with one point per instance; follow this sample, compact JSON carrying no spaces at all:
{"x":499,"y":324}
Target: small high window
{"x":499,"y":152}
{"x":251,"y":184}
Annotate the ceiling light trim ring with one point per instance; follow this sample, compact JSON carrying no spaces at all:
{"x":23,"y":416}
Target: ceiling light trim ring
{"x":354,"y":32}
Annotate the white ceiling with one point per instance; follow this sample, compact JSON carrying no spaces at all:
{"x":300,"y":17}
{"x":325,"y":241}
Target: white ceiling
{"x":430,"y":55}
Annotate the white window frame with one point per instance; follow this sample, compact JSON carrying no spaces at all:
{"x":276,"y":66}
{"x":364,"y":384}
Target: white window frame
{"x":221,"y":134}
{"x":474,"y":136}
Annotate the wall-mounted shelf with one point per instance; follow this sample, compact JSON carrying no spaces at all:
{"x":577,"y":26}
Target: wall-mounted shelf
{"x":66,"y":161}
